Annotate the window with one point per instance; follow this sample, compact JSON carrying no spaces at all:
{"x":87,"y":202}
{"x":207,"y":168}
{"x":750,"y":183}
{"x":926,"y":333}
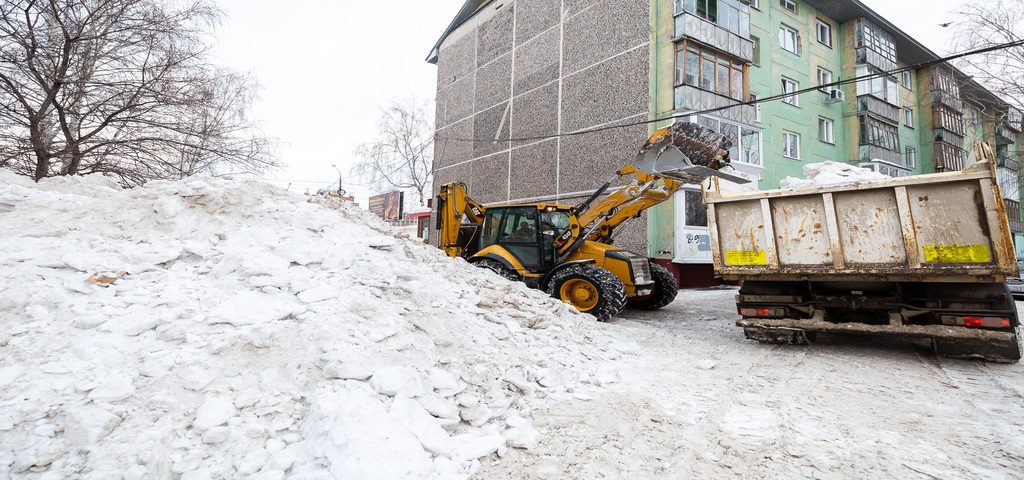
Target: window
{"x":757,"y":107}
{"x":908,"y":117}
{"x":788,"y":5}
{"x":790,"y":86}
{"x":911,"y":157}
{"x":791,"y":145}
{"x":696,"y":215}
{"x":824,"y":78}
{"x":882,"y":87}
{"x":878,"y":133}
{"x":908,"y":79}
{"x":789,"y":39}
{"x":824,"y":30}
{"x":757,"y":49}
{"x":943,"y":80}
{"x":949,"y":120}
{"x":746,"y":141}
{"x":826,"y":130}
{"x":867,"y":35}
{"x":709,"y":70}
{"x":732,"y":15}
{"x":756,"y":4}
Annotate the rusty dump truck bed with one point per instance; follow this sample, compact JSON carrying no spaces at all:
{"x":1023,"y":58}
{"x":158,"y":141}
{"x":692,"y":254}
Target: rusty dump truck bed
{"x":944,"y":227}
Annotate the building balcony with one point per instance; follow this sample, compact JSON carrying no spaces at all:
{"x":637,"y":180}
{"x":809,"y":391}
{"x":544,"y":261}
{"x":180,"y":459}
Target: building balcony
{"x":880,"y":108}
{"x":1008,"y":162}
{"x":691,"y":99}
{"x":948,"y":157}
{"x":734,"y":42}
{"x":1013,"y":214}
{"x":1005,"y":135}
{"x":874,"y":154}
{"x":945,"y":135}
{"x":886,"y":168}
{"x":867,"y":56}
{"x":940,"y":97}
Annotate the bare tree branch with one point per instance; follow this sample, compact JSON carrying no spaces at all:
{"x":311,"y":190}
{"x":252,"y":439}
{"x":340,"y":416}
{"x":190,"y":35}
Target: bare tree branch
{"x":402,"y":155}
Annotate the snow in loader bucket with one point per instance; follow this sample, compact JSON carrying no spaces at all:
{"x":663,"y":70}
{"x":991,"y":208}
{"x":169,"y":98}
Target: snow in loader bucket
{"x":687,"y":152}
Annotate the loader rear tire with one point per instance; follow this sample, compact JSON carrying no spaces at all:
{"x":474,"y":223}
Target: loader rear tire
{"x":496,"y":267}
{"x":665,"y":290}
{"x":589,"y":289}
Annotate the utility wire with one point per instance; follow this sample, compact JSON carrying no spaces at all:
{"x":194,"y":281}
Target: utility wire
{"x":871,"y":76}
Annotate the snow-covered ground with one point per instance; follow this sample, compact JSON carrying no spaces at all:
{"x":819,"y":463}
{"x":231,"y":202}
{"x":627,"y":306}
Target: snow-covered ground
{"x":700,"y":401}
{"x":255,"y":334}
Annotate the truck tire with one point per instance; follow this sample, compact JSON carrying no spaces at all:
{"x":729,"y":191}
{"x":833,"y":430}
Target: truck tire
{"x":665,"y":290}
{"x":496,"y":267}
{"x":589,"y":289}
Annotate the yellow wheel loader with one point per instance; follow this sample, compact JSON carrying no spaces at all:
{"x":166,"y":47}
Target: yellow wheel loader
{"x":568,"y":251}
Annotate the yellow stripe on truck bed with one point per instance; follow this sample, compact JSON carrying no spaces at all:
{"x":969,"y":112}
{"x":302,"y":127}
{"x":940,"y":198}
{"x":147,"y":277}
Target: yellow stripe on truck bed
{"x":957,"y":254}
{"x":746,"y":257}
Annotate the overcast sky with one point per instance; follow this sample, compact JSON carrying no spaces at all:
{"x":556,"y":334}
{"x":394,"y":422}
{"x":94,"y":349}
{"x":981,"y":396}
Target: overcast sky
{"x":327,"y":66}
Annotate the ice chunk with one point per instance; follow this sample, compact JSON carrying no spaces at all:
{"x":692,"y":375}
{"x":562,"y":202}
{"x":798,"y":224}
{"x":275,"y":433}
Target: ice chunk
{"x":415,"y":418}
{"x":249,"y":308}
{"x":397,"y":380}
{"x":214,"y":411}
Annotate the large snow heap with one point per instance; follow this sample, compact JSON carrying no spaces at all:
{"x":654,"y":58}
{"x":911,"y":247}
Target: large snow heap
{"x":257,"y":333}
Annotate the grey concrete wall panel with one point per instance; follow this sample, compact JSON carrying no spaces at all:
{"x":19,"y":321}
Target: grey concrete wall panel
{"x":535,"y":113}
{"x":439,"y":107}
{"x":687,"y":25}
{"x":490,"y":179}
{"x":693,"y":99}
{"x":495,"y":36}
{"x":493,"y":83}
{"x":459,"y":99}
{"x":456,"y":61}
{"x":536,"y":16}
{"x":537,"y":61}
{"x":587,"y":161}
{"x":534,"y":169}
{"x":611,"y":27}
{"x":448,"y":151}
{"x":606,"y":92}
{"x":488,"y":126}
{"x":573,"y":7}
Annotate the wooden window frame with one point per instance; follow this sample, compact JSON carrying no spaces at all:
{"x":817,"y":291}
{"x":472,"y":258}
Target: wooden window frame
{"x":703,"y":51}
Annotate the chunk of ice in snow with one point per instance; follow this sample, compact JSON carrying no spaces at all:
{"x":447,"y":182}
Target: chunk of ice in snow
{"x":9,"y":374}
{"x":88,"y":425}
{"x":520,"y":433}
{"x":397,"y":380}
{"x":415,"y":418}
{"x":214,"y":411}
{"x":319,"y":294}
{"x":470,"y":447}
{"x":249,"y":308}
{"x":117,"y":386}
{"x":705,"y":364}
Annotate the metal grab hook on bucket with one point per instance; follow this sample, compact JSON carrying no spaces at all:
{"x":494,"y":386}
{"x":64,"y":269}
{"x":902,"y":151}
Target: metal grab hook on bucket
{"x":687,"y":152}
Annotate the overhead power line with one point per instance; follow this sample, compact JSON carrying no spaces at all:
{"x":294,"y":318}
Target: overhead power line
{"x":882,"y":74}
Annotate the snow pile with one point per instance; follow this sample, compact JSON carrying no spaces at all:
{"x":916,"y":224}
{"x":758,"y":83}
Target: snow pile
{"x":830,"y":173}
{"x":256,"y":334}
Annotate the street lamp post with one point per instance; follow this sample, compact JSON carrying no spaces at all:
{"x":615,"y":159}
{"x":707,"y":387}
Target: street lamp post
{"x":341,"y":191}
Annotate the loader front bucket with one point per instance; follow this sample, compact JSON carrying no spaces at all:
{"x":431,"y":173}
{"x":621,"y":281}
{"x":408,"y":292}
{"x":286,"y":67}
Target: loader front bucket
{"x":687,"y":152}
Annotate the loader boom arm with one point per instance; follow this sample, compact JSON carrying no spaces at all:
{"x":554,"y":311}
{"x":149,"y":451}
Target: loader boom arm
{"x":455,"y":212}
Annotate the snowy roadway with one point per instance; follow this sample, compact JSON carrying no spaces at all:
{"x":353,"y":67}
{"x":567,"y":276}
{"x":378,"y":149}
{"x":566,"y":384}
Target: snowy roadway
{"x":700,"y":401}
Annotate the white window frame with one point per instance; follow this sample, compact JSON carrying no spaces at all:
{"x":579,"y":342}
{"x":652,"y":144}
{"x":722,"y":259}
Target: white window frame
{"x":756,"y":4}
{"x":829,"y":130}
{"x":785,"y":33}
{"x":910,"y":157}
{"x":793,"y":100}
{"x":907,"y":79}
{"x":757,"y":107}
{"x":786,"y":136}
{"x":828,"y":30}
{"x":908,"y":117}
{"x":824,"y":81}
{"x":789,"y":5}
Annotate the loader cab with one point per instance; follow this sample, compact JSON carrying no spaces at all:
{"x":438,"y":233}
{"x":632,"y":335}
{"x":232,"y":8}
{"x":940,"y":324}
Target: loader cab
{"x":527,"y":232}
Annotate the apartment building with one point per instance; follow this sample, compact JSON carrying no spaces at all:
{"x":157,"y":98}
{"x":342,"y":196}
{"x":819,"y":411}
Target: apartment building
{"x":704,"y":54}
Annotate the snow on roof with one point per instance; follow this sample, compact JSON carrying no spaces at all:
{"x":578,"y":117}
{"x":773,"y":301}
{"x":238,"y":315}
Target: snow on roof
{"x":255,"y":331}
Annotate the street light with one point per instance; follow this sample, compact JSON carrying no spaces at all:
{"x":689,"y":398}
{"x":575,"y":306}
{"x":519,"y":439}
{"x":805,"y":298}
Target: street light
{"x":341,"y":191}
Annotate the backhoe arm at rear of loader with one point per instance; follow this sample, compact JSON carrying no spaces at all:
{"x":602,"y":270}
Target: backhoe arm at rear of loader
{"x":458,"y":218}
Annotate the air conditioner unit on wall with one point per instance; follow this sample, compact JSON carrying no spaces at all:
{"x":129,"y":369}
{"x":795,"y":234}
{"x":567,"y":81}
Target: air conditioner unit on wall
{"x":836,"y":95}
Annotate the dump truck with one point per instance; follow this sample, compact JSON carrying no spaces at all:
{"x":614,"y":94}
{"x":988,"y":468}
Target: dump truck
{"x":920,"y":256}
{"x":568,"y":250}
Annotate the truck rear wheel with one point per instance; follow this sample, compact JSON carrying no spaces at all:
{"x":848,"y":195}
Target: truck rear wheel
{"x":589,"y":289}
{"x":664,"y":290}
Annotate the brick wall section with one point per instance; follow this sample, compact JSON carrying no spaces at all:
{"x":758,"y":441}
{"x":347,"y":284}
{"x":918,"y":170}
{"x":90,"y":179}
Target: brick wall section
{"x":524,"y":68}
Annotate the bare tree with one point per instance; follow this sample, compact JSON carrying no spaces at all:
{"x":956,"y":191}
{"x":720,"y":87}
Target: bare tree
{"x":402,"y":156}
{"x":989,"y":23}
{"x":122,"y":87}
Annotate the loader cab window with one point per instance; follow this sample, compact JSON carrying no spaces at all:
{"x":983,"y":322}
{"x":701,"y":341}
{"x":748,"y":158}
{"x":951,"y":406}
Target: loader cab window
{"x":492,"y":224}
{"x":519,"y":235}
{"x":554,"y":223}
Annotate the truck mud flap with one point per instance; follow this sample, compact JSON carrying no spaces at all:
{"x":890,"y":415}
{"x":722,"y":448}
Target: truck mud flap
{"x":957,"y":342}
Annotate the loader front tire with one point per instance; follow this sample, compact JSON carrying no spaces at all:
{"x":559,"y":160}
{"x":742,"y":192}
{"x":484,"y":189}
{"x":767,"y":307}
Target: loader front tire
{"x":664,"y":291}
{"x":589,"y":289}
{"x":496,"y":267}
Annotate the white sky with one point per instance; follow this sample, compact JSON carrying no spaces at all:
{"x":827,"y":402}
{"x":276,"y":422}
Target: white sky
{"x":326,"y":67}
